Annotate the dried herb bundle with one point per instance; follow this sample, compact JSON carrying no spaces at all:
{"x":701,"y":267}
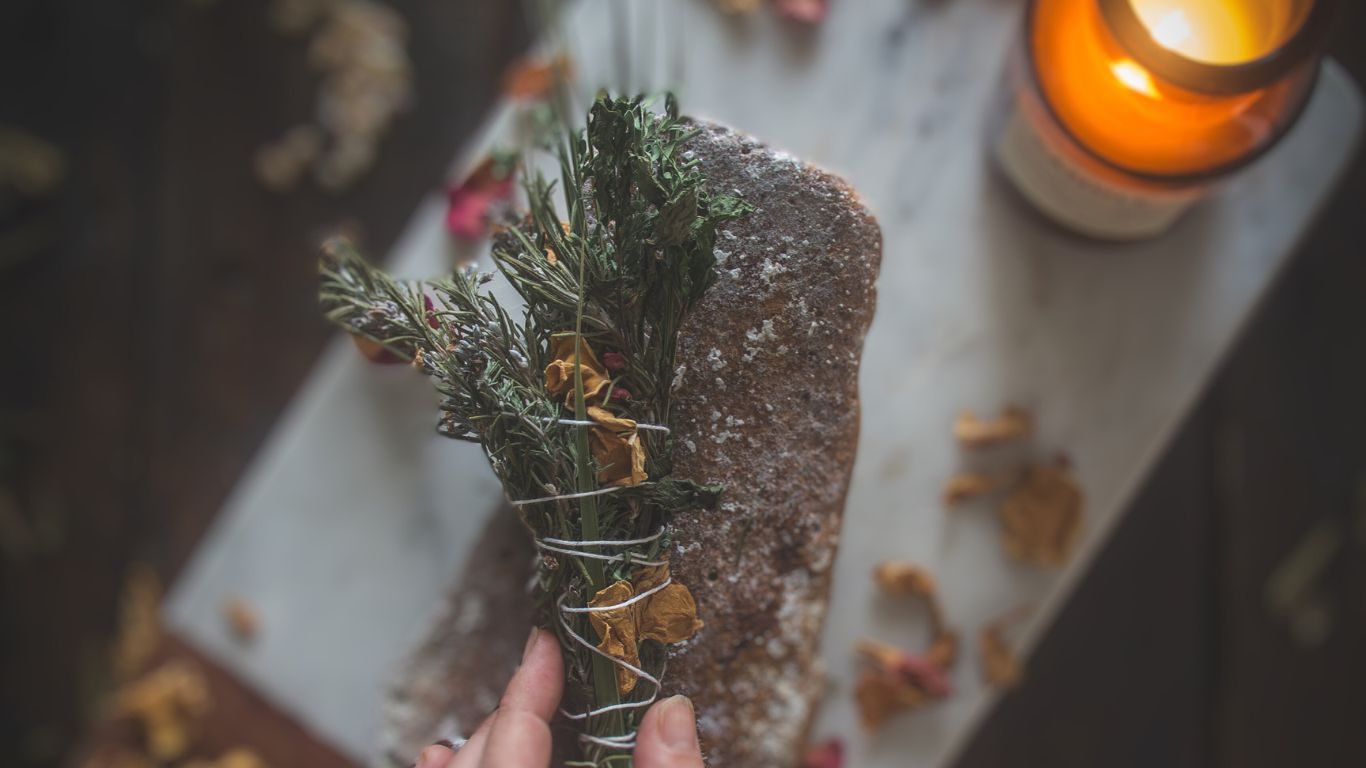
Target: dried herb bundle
{"x":570,"y":400}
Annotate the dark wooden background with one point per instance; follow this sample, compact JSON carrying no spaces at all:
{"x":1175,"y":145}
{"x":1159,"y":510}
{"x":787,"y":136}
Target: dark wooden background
{"x":148,"y":349}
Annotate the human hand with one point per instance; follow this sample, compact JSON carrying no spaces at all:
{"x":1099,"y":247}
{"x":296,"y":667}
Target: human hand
{"x":517,"y":734}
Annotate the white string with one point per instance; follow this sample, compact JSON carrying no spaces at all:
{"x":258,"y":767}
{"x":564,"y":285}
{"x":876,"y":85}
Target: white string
{"x":584,"y":423}
{"x":632,"y":601}
{"x":579,"y":495}
{"x":606,"y":543}
{"x":595,"y":556}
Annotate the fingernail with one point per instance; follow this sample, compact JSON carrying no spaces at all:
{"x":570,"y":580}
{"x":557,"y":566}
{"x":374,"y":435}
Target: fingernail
{"x":677,"y":725}
{"x":436,"y":756}
{"x":531,"y":642}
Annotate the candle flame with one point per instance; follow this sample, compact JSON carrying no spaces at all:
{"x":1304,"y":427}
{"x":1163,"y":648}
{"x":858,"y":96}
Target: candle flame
{"x":1134,"y":77}
{"x":1173,"y":30}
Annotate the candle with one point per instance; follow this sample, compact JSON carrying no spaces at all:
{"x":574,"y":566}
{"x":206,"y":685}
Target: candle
{"x":1148,"y":100}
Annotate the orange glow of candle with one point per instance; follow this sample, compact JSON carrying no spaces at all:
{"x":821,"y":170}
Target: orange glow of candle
{"x":1131,"y":117}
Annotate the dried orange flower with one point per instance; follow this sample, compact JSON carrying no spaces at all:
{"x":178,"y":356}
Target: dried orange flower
{"x":533,"y":78}
{"x":667,"y":616}
{"x":242,"y":618}
{"x":1042,"y":516}
{"x":1000,"y":667}
{"x":968,"y":485}
{"x":559,"y":374}
{"x":168,"y":702}
{"x":972,"y":432}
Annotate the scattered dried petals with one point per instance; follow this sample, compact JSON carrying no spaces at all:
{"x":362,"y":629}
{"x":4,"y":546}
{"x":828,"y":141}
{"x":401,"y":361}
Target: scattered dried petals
{"x":1000,"y":667}
{"x":1042,"y":516}
{"x":827,"y":754}
{"x":241,"y":619}
{"x":972,"y":432}
{"x":532,"y":79}
{"x":968,"y":485}
{"x":804,"y":11}
{"x":667,"y":616}
{"x":906,"y":667}
{"x":879,"y":698}
{"x":904,"y":579}
{"x":168,"y":702}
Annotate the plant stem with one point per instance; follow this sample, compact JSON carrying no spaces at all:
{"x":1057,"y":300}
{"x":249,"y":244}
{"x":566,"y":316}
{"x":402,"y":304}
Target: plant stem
{"x":604,"y":671}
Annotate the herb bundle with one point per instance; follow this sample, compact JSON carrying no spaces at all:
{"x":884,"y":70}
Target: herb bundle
{"x":570,"y":400}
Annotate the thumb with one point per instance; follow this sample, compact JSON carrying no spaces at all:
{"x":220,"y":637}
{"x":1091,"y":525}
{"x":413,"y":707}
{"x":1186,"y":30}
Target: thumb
{"x":668,"y":736}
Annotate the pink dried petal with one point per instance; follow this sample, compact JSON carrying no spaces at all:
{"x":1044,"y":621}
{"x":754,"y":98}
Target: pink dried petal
{"x":827,"y":754}
{"x":804,"y":11}
{"x":621,"y":393}
{"x":614,"y":361}
{"x":923,"y":673}
{"x":468,"y":202}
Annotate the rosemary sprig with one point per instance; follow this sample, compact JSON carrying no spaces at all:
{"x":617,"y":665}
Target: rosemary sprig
{"x":619,"y":267}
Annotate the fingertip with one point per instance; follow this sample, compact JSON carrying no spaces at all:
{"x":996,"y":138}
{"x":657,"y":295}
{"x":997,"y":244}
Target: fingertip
{"x":668,"y":736}
{"x":538,"y":684}
{"x":435,"y":756}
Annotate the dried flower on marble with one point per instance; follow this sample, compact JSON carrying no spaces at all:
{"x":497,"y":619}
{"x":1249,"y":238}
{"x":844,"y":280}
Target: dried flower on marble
{"x":894,"y":680}
{"x":1042,"y":516}
{"x":910,"y":580}
{"x":964,"y":486}
{"x":973,"y":432}
{"x":666,"y":616}
{"x":168,"y":702}
{"x":826,"y":754}
{"x":242,"y":619}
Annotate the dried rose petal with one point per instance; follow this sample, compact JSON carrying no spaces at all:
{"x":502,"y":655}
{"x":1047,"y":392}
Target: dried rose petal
{"x":430,"y":306}
{"x":972,"y":432}
{"x":532,"y":79}
{"x":615,"y":361}
{"x":1000,"y":666}
{"x":1042,"y":517}
{"x":468,"y":203}
{"x":968,"y":485}
{"x":621,"y":393}
{"x":805,"y":11}
{"x":827,"y":754}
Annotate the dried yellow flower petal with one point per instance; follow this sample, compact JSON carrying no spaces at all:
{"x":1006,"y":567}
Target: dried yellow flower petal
{"x":565,"y":354}
{"x":667,"y":616}
{"x":1042,"y":517}
{"x":972,"y":432}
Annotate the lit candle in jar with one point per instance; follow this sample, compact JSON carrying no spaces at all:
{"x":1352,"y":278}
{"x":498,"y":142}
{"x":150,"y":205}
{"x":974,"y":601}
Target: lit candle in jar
{"x":1123,"y":111}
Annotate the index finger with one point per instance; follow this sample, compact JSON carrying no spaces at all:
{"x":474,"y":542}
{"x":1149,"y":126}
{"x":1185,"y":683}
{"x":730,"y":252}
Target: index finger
{"x":520,"y":737}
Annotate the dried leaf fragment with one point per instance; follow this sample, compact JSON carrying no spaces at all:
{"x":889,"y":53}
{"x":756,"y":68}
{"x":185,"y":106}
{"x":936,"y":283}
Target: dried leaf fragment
{"x":911,"y":580}
{"x":972,"y":432}
{"x":964,"y":486}
{"x":1042,"y":516}
{"x":668,"y":615}
{"x":1000,"y":666}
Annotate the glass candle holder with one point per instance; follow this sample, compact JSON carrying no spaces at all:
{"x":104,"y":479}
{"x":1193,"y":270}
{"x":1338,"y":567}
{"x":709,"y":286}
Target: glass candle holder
{"x":1122,"y":113}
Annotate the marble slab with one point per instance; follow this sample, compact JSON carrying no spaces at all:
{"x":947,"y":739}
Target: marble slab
{"x":354,"y":517}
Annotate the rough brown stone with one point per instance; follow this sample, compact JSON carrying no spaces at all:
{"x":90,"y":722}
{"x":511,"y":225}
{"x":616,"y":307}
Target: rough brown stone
{"x":767,"y":404}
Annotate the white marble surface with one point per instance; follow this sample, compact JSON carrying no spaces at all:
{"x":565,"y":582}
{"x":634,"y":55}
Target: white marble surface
{"x":342,"y":534}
